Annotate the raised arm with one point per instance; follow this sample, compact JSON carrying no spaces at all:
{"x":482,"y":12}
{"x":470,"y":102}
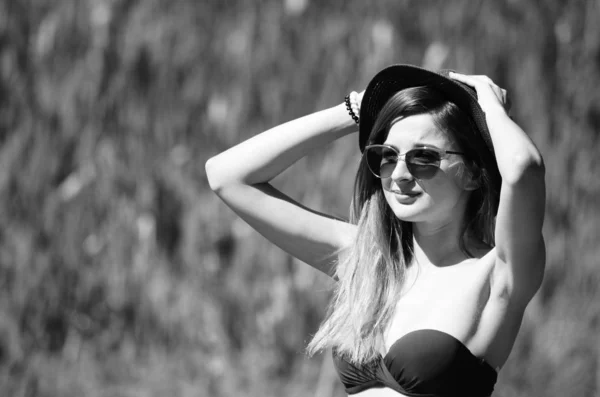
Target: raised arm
{"x":240,"y":177}
{"x":519,"y":241}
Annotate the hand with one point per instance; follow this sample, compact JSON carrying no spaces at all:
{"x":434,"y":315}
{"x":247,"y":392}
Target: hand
{"x":488,"y":93}
{"x":357,"y":98}
{"x":360,"y":96}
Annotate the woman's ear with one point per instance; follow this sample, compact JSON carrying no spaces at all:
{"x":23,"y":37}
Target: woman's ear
{"x":471,"y":184}
{"x":471,"y":179}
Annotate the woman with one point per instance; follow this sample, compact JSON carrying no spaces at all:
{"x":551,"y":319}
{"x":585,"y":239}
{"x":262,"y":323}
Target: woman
{"x":444,"y":248}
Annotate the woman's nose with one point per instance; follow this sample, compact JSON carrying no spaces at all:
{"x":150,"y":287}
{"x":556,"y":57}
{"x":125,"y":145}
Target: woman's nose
{"x":401,"y":171}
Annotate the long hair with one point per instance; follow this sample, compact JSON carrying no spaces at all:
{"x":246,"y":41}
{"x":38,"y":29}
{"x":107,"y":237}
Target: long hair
{"x":371,"y":271}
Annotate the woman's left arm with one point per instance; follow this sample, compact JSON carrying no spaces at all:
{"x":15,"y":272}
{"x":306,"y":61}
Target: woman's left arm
{"x":519,"y":241}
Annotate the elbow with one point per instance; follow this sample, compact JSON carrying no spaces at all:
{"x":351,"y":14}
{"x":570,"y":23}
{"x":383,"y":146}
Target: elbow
{"x":211,"y":174}
{"x":524,"y":167}
{"x":221,"y":174}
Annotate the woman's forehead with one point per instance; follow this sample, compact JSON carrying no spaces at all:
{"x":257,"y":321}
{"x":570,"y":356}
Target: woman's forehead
{"x":415,"y":130}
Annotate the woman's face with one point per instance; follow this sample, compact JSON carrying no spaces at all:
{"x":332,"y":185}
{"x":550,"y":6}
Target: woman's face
{"x":436,"y":201}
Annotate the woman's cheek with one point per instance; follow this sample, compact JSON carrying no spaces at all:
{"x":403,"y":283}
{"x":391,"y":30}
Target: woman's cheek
{"x":385,"y":184}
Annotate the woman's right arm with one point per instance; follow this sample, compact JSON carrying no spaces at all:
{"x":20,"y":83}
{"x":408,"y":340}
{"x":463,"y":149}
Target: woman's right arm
{"x":240,"y":177}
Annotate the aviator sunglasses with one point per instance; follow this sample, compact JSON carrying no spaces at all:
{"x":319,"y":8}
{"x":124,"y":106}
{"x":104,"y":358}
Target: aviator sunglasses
{"x":422,"y":162}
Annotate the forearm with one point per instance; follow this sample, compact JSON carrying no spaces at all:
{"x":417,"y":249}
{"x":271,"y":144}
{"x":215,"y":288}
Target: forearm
{"x":266,"y":155}
{"x":516,"y":153}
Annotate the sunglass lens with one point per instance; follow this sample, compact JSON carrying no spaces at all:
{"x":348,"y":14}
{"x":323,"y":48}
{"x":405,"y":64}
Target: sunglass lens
{"x":423,"y":163}
{"x":381,"y":160}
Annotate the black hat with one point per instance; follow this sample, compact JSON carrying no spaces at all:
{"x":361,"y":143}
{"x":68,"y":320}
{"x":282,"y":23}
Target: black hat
{"x":398,"y":77}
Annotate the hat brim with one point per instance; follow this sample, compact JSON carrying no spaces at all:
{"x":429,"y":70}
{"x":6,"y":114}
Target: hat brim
{"x":399,"y":77}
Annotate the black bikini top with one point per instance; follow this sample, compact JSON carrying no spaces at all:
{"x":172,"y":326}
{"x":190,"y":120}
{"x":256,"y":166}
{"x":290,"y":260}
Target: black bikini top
{"x":423,"y":363}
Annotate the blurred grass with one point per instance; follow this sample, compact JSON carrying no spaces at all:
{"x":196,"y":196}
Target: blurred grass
{"x":123,"y":275}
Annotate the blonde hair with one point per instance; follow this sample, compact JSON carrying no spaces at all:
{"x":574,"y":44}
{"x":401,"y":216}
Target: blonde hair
{"x":370,"y":276}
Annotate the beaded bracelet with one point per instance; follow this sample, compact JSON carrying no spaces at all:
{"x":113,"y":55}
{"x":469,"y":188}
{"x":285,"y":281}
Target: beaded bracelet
{"x":355,"y":103}
{"x":352,"y":107}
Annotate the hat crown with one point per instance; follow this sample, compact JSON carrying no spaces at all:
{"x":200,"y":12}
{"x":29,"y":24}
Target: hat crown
{"x":395,"y":78}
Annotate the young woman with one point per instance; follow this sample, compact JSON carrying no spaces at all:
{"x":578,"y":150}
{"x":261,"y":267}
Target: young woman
{"x":444,"y":248}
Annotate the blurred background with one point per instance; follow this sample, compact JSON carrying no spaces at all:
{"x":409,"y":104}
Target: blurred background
{"x":123,"y":275}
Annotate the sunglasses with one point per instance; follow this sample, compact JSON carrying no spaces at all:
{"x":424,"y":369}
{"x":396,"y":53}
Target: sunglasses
{"x":422,"y":163}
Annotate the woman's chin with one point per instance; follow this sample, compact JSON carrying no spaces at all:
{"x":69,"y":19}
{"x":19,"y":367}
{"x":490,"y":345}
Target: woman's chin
{"x":408,"y":213}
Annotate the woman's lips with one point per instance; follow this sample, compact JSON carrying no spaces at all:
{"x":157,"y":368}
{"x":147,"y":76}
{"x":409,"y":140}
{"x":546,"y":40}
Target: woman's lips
{"x":405,"y":196}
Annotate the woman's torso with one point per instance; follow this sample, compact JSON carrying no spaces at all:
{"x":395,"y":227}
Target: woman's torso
{"x":467,"y":301}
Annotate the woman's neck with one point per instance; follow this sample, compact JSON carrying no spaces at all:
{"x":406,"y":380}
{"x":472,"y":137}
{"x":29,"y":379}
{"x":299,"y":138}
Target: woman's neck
{"x":437,"y":245}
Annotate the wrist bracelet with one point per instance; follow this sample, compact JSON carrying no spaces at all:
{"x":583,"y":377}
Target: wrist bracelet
{"x":351,"y":108}
{"x":355,"y":103}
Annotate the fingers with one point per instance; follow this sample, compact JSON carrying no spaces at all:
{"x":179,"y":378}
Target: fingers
{"x":500,"y":93}
{"x":474,"y":80}
{"x":486,"y":79}
{"x":478,"y":82}
{"x":506,"y":102}
{"x":481,"y":82}
{"x":360,"y":96}
{"x":463,"y":78}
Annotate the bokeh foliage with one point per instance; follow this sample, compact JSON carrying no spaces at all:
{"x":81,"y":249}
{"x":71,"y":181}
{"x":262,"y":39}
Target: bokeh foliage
{"x":123,"y":275}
